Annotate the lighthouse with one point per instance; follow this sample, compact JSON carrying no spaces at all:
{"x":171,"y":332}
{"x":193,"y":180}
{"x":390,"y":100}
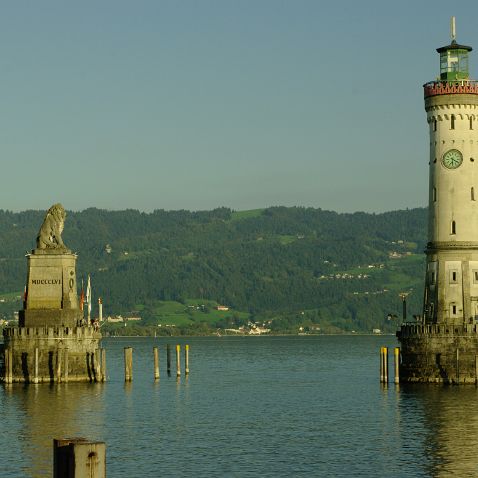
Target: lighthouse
{"x":443,"y":346}
{"x":451,"y":104}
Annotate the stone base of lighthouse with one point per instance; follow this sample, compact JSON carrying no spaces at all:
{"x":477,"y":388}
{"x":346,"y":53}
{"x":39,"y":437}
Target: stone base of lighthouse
{"x":439,"y":353}
{"x":51,"y":354}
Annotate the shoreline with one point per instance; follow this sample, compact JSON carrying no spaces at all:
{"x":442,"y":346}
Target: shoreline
{"x":247,"y":335}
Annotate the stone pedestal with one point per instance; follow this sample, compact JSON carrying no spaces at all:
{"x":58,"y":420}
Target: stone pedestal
{"x":439,"y":353}
{"x":51,"y":290}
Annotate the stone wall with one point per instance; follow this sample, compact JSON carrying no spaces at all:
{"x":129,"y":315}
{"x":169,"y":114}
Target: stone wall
{"x":439,"y":353}
{"x":51,"y":354}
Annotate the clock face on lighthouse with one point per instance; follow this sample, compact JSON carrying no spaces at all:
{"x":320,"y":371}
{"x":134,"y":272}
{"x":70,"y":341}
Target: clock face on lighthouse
{"x":452,"y":159}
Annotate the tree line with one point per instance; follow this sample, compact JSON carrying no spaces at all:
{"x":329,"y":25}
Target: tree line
{"x":271,"y":263}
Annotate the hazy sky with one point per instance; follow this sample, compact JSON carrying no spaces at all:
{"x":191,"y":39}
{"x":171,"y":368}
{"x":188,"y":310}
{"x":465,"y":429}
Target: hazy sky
{"x":206,"y":103}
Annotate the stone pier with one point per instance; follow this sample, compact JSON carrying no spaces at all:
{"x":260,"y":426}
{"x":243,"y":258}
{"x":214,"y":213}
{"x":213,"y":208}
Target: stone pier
{"x":439,"y":353}
{"x":65,"y":354}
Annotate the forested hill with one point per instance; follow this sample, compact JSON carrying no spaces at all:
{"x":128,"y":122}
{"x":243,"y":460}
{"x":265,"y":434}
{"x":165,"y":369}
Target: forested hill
{"x":343,"y":271}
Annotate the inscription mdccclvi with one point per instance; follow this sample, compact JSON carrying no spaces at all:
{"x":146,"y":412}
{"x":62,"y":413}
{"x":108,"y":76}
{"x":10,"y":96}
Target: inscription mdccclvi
{"x":46,"y":281}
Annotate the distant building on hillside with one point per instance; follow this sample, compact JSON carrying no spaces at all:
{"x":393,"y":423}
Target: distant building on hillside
{"x":114,"y":319}
{"x":119,"y":318}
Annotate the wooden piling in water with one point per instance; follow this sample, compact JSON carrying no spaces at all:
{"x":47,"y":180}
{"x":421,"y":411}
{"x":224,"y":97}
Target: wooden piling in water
{"x":10,"y":365}
{"x":156,"y":363}
{"x":476,"y":369}
{"x":58,"y":365}
{"x":8,"y":357}
{"x":178,"y":361}
{"x":78,"y":458}
{"x":103,"y":365}
{"x":457,"y":365}
{"x":35,"y":366}
{"x":385,"y":362}
{"x":128,"y":364}
{"x":186,"y":359}
{"x":65,"y":365}
{"x":97,"y":357}
{"x":396,"y":355}
{"x":168,"y":358}
{"x":381,"y":364}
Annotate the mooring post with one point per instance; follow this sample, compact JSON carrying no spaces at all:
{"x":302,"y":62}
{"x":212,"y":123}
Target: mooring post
{"x":78,"y":458}
{"x":35,"y":366}
{"x":156,"y":363}
{"x":186,"y":359}
{"x":457,"y":365}
{"x":58,"y":365}
{"x":10,"y":365}
{"x":476,"y":369}
{"x":128,"y":364}
{"x":168,"y":358}
{"x":65,"y":365}
{"x":385,"y":368}
{"x":103,"y":365}
{"x":178,"y":361}
{"x":98,"y":373}
{"x":396,"y":356}
{"x":8,"y":357}
{"x":381,"y":364}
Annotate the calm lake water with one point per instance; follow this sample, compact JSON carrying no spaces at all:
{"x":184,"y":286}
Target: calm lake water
{"x":252,"y":406}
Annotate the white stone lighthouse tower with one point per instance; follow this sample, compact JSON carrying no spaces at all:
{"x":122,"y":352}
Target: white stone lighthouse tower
{"x":443,"y":347}
{"x":451,"y":103}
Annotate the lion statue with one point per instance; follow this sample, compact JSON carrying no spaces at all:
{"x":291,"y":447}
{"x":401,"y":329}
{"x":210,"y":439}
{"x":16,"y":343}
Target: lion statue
{"x":49,"y":236}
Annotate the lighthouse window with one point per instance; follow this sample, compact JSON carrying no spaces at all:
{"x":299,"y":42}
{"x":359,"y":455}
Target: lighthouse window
{"x":475,"y":277}
{"x":472,"y":194}
{"x":453,"y":227}
{"x":432,"y":278}
{"x":453,"y":277}
{"x":471,"y":123}
{"x":452,"y":126}
{"x":434,"y":194}
{"x":434,"y":125}
{"x":453,"y":309}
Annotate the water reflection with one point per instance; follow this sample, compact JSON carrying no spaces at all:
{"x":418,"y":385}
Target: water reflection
{"x":60,"y":410}
{"x":285,"y":406}
{"x":444,"y":422}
